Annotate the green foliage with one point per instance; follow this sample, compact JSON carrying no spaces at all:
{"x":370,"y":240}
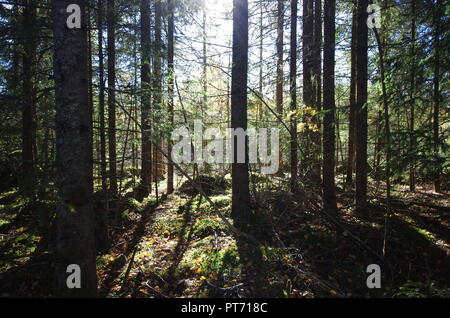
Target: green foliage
{"x":208,"y":226}
{"x":413,"y":289}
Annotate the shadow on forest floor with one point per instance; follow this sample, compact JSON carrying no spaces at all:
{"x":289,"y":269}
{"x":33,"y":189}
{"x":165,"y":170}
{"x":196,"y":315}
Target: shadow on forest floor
{"x":180,"y":248}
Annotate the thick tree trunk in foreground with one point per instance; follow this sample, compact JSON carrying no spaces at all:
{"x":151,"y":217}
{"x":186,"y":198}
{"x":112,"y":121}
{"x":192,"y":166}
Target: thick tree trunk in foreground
{"x":249,"y":253}
{"x":329,"y":187}
{"x":241,"y":193}
{"x":146,"y":167}
{"x":75,"y":217}
{"x":293,"y":88}
{"x":361,"y":107}
{"x":111,"y":21}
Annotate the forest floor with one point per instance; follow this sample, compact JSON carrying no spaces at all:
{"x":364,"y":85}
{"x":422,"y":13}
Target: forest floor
{"x":179,"y":247}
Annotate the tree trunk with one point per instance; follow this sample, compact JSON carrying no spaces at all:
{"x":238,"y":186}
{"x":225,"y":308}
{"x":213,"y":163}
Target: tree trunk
{"x":412,"y":145}
{"x":75,"y":217}
{"x":293,"y":90}
{"x":329,"y":187}
{"x":111,"y":21}
{"x":170,"y":59}
{"x":259,"y":115}
{"x":29,"y":98}
{"x":146,"y":167}
{"x":351,"y":120}
{"x":101,"y":235}
{"x":308,"y":93}
{"x":361,"y":107}
{"x":241,"y":209}
{"x":101,"y":97}
{"x":158,"y":169}
{"x":280,"y":62}
{"x":437,"y":95}
{"x":387,"y":132}
{"x":205,"y":61}
{"x":241,"y":193}
{"x":317,"y":91}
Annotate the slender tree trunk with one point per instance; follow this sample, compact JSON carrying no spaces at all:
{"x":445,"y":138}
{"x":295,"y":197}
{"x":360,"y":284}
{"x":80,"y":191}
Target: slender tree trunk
{"x":437,"y":94}
{"x":351,"y":127}
{"x":205,"y":60}
{"x":361,"y":107}
{"x":101,"y":231}
{"x":146,"y":167}
{"x":280,"y":62}
{"x":15,"y":24}
{"x":317,"y":90}
{"x":157,"y":92}
{"x":75,"y":217}
{"x":261,"y":62}
{"x":101,"y":97}
{"x":29,"y":98}
{"x":308,"y":93}
{"x":378,"y":147}
{"x":387,"y":132}
{"x":204,"y":109}
{"x":170,"y":59}
{"x":111,"y":21}
{"x":412,"y":145}
{"x":329,"y":187}
{"x":293,"y":90}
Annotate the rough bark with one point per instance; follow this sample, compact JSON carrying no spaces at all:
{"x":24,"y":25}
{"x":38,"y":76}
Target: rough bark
{"x":240,"y":183}
{"x":146,"y":166}
{"x":241,"y":208}
{"x":75,"y":217}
